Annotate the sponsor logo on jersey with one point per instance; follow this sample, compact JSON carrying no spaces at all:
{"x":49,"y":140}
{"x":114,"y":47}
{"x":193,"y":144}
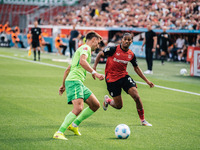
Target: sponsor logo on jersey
{"x":106,"y":49}
{"x":85,"y":48}
{"x":166,"y":36}
{"x":120,"y":61}
{"x":111,"y":93}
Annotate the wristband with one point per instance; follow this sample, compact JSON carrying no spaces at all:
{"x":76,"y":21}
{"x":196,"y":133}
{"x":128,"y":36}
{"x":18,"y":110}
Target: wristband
{"x":93,"y":72}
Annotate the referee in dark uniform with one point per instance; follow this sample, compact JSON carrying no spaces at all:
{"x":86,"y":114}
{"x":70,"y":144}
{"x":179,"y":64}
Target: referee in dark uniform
{"x":35,"y":32}
{"x":163,"y":43}
{"x":150,"y":40}
{"x":74,"y":34}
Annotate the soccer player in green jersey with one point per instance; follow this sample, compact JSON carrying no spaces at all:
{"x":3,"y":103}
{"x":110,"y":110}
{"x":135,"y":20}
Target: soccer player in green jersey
{"x":77,"y":93}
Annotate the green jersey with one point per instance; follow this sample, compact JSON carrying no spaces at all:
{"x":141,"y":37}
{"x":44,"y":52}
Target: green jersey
{"x":77,"y":72}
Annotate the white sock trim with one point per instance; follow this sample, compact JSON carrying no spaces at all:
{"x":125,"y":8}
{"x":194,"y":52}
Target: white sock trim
{"x":74,"y":125}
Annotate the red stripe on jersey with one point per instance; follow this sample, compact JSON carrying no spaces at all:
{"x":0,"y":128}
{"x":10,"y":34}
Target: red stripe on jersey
{"x":117,"y":63}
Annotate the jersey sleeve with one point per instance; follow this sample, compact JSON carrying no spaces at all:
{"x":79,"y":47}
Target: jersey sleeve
{"x":109,"y":51}
{"x":85,"y":50}
{"x":134,"y":61}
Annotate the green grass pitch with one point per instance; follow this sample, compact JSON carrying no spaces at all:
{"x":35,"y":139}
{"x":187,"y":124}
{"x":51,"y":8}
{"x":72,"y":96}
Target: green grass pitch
{"x":31,"y":109}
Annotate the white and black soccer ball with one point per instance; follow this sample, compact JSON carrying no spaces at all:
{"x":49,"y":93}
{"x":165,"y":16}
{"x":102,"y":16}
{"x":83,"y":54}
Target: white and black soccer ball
{"x":183,"y":71}
{"x":122,"y":131}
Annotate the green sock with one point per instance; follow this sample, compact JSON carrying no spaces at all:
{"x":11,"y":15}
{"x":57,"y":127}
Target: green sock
{"x":68,"y":120}
{"x":87,"y":112}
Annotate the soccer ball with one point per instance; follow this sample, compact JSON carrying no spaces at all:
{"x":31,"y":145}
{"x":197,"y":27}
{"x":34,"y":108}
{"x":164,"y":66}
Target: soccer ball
{"x":122,"y":131}
{"x":183,"y":71}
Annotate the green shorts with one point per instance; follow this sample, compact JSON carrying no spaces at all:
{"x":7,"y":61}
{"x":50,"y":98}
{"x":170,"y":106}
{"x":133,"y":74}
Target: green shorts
{"x":75,"y":90}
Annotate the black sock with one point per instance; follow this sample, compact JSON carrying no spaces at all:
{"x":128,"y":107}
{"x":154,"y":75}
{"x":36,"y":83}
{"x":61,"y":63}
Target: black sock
{"x":34,"y":55}
{"x":38,"y":55}
{"x":162,"y":59}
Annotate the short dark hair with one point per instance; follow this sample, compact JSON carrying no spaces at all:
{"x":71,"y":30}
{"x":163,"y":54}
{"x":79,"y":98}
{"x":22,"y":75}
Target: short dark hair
{"x":127,"y":34}
{"x":92,"y":34}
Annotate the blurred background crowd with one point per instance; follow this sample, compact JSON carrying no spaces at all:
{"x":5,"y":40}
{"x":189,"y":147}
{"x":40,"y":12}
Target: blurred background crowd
{"x":133,"y":13}
{"x":171,"y":14}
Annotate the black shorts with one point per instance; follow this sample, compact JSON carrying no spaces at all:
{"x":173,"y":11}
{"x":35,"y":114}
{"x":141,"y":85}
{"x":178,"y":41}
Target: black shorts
{"x":35,"y":43}
{"x":115,"y":88}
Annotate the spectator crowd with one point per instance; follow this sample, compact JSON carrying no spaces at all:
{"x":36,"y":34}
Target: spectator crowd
{"x":173,"y":14}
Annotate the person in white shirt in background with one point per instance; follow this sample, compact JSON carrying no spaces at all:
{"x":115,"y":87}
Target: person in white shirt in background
{"x":178,"y":45}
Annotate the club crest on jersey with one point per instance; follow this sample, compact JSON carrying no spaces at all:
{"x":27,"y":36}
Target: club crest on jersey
{"x":129,"y":56}
{"x":85,"y":48}
{"x":106,"y":49}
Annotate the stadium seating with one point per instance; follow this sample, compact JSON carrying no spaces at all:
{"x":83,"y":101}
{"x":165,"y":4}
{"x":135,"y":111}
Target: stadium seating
{"x":53,"y":12}
{"x":13,"y":11}
{"x":124,"y":13}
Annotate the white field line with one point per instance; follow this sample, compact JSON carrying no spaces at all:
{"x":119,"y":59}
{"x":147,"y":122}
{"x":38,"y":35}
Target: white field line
{"x":31,"y":61}
{"x":162,"y":87}
{"x":46,"y":64}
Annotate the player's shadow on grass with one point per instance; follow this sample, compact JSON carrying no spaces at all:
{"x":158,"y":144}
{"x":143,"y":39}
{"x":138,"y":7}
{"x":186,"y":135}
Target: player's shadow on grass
{"x":186,"y":77}
{"x":136,"y":125}
{"x":24,"y":140}
{"x":114,"y":138}
{"x":44,"y":126}
{"x":96,"y":125}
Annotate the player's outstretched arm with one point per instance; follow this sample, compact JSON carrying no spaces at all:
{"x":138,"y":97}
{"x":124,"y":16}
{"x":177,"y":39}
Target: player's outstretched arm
{"x":62,"y":88}
{"x":83,"y":62}
{"x":99,"y":55}
{"x":139,"y":72}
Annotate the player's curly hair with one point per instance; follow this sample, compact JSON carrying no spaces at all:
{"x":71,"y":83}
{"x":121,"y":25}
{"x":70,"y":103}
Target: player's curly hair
{"x":92,"y":34}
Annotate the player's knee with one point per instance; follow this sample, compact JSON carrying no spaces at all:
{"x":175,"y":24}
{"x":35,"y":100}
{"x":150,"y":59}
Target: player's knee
{"x":96,"y":106}
{"x":119,"y":106}
{"x":79,"y":109}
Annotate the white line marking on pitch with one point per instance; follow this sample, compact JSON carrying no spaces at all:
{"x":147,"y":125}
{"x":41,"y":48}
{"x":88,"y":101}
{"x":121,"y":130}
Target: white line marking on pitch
{"x":31,"y":61}
{"x":46,"y":64}
{"x":162,"y":87}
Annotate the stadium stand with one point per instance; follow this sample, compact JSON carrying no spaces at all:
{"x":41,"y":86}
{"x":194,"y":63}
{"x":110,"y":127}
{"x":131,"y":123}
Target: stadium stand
{"x":11,"y":12}
{"x":112,"y":13}
{"x":131,"y":13}
{"x":107,"y":16}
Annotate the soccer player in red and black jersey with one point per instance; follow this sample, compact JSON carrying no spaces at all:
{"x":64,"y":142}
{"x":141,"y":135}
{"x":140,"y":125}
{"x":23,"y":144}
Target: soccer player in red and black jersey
{"x":117,"y":77}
